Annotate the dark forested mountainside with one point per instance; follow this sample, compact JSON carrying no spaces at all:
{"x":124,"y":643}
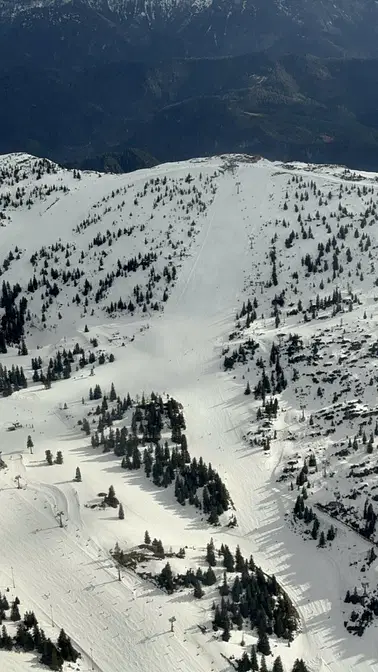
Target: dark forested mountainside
{"x":297,"y":107}
{"x":86,"y":78}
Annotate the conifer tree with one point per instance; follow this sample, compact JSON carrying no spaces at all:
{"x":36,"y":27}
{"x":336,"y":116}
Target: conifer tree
{"x":66,"y":649}
{"x":299,"y":666}
{"x":315,"y":529}
{"x":239,"y":560}
{"x":15,"y":613}
{"x":331,"y":534}
{"x":210,"y":577}
{"x":51,"y":656}
{"x":59,"y":457}
{"x":226,"y":632}
{"x":6,"y":639}
{"x":49,"y":457}
{"x":210,"y":554}
{"x":244,"y":664}
{"x":30,"y":620}
{"x":121,"y":513}
{"x":263,"y":645}
{"x":78,"y":475}
{"x":198,"y":591}
{"x":147,"y":538}
{"x":277,"y":665}
{"x":165,"y":578}
{"x":263,"y":667}
{"x":228,"y":560}
{"x":254,"y":661}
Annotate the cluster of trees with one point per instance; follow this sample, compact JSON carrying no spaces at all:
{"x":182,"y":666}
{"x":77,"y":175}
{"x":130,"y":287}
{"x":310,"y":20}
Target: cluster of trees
{"x":30,"y":637}
{"x":250,"y":662}
{"x":50,"y":460}
{"x":13,"y":319}
{"x":155,"y":546}
{"x":248,"y":309}
{"x":59,"y":367}
{"x":241,"y":355}
{"x":170,"y":582}
{"x":359,"y":620}
{"x":305,"y":513}
{"x":14,"y":174}
{"x":270,"y":385}
{"x":254,"y":597}
{"x":11,"y":380}
{"x":164,"y":464}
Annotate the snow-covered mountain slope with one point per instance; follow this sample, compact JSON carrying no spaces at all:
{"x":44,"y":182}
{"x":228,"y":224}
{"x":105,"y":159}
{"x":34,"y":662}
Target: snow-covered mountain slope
{"x":275,"y":262}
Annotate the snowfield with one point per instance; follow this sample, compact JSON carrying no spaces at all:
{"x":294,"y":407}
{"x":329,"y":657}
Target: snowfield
{"x":234,"y":216}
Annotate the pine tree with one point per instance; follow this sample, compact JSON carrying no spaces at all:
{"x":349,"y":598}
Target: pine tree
{"x":315,"y":529}
{"x":78,"y":475}
{"x":263,"y":645}
{"x":159,"y":550}
{"x":59,"y":457}
{"x":30,"y":620}
{"x":254,"y":661}
{"x":111,"y":498}
{"x":244,"y":664}
{"x":147,"y":538}
{"x":210,"y":554}
{"x":331,"y":533}
{"x":247,"y":390}
{"x":210,"y":577}
{"x":322,"y":541}
{"x":239,"y":560}
{"x":226,"y":632}
{"x":51,"y":656}
{"x":15,"y":613}
{"x":165,"y":578}
{"x":121,"y":513}
{"x":263,"y":667}
{"x":49,"y":457}
{"x":299,"y":666}
{"x":228,"y":560}
{"x":6,"y":639}
{"x":277,"y":665}
{"x":66,"y":649}
{"x":198,"y":591}
{"x":85,"y":426}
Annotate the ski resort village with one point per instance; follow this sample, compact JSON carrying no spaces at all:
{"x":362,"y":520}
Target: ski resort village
{"x":188,"y":417}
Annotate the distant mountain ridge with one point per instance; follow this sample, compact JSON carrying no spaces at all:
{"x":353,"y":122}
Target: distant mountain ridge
{"x":180,"y":78}
{"x":201,"y":28}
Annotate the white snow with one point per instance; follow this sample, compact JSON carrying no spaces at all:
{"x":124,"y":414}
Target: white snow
{"x":123,"y":626}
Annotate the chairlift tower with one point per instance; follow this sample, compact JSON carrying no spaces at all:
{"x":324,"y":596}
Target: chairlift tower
{"x":365,"y":585}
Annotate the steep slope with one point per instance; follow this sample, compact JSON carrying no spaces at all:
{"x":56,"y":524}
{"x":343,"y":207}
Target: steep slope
{"x":257,"y":231}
